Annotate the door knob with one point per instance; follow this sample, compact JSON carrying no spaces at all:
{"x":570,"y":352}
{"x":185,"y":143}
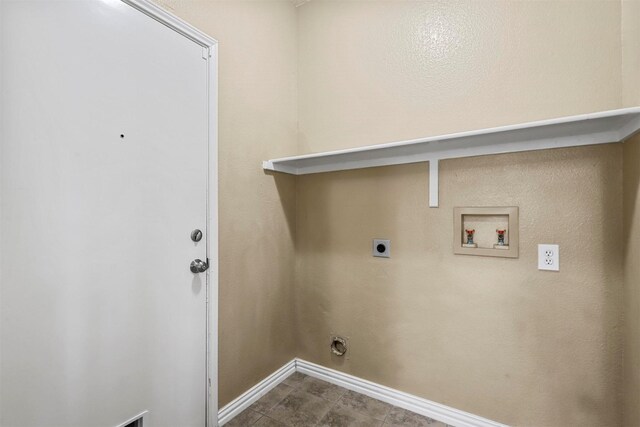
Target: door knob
{"x":198,"y":266}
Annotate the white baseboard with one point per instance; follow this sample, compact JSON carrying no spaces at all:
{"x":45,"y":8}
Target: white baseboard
{"x":445,"y":414}
{"x":247,"y":398}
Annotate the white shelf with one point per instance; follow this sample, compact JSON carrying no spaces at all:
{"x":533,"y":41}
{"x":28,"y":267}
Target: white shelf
{"x":586,"y":129}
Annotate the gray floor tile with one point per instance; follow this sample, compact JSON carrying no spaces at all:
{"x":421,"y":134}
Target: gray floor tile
{"x":364,"y":404}
{"x":300,"y":409}
{"x":322,"y":389}
{"x":340,"y":416}
{"x":268,"y":422}
{"x":302,"y":401}
{"x":271,"y":399}
{"x":244,"y":418}
{"x":402,"y":417}
{"x":295,"y":380}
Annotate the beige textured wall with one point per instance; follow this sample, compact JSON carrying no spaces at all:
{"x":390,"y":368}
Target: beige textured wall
{"x":631,"y":390}
{"x":379,"y":71}
{"x":631,"y":154}
{"x":494,"y":337}
{"x":631,"y":53}
{"x":257,"y":104}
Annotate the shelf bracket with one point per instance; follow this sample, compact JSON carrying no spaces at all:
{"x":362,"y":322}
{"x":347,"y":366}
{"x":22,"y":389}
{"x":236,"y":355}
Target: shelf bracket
{"x":433,"y":183}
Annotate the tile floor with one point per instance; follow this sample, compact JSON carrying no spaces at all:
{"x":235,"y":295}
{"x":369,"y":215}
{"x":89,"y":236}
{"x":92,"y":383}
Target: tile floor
{"x":303,"y":401}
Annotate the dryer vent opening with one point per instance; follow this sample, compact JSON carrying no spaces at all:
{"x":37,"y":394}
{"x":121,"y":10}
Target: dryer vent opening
{"x":338,"y":346}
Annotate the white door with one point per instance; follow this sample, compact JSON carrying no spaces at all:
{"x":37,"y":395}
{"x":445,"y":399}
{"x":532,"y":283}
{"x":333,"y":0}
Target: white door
{"x":103,"y":178}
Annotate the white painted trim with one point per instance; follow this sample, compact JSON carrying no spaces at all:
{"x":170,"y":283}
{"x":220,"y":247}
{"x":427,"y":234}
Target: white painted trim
{"x":132,"y":419}
{"x":254,"y":393}
{"x":445,"y":414}
{"x":586,"y":129}
{"x":210,"y":46}
{"x":630,"y":129}
{"x":212,"y":243}
{"x":178,"y":25}
{"x":433,"y":183}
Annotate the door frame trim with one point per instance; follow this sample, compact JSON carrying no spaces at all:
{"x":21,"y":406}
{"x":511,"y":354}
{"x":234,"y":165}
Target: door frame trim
{"x":178,"y":25}
{"x":210,"y":54}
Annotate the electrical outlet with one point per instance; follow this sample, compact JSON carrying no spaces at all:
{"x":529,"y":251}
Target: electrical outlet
{"x":549,"y":257}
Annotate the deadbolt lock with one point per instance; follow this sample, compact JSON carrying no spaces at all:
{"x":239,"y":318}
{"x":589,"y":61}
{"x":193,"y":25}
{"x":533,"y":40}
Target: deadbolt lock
{"x":196,"y":235}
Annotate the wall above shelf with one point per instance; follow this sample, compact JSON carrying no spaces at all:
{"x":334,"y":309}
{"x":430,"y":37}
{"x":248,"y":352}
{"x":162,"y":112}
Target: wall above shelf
{"x":585,"y":129}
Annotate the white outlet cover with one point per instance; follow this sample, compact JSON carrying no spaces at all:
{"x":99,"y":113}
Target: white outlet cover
{"x":549,"y":257}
